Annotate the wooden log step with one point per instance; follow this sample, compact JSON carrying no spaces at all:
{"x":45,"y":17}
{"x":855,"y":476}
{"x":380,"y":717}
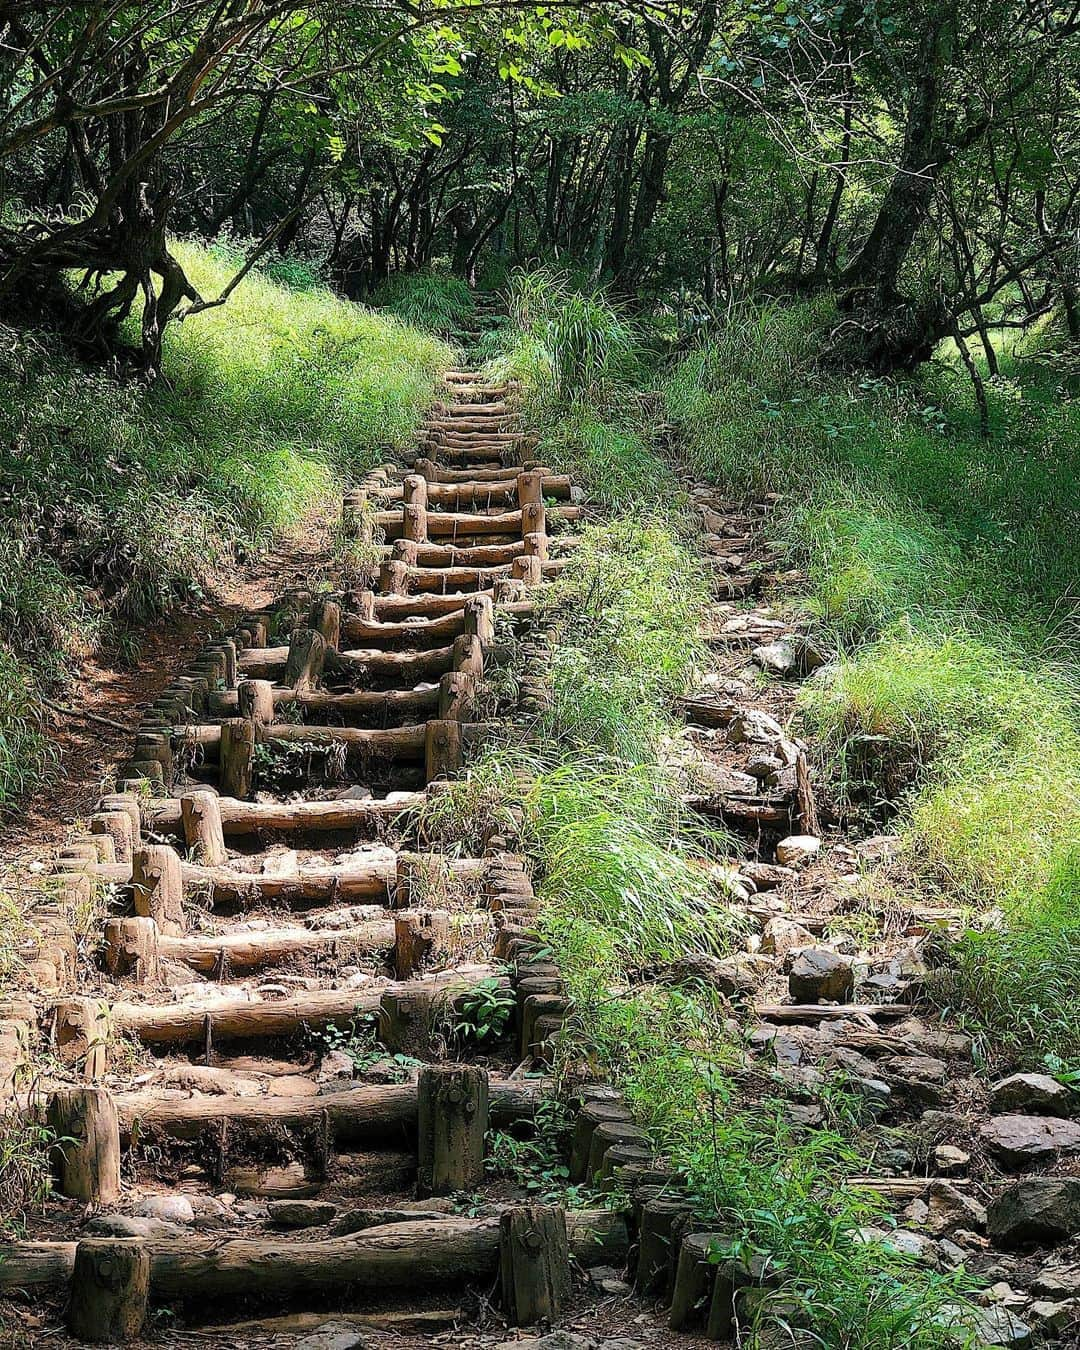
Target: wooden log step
{"x":363,"y":1115}
{"x":244,"y":818}
{"x":436,"y":473}
{"x":243,"y":1018}
{"x":247,"y":951}
{"x":403,"y":667}
{"x":373,"y":882}
{"x":829,"y":1012}
{"x":430,"y":604}
{"x":400,"y":743}
{"x":367,"y":705}
{"x":389,"y":1259}
{"x":416,"y":632}
{"x":468,"y":492}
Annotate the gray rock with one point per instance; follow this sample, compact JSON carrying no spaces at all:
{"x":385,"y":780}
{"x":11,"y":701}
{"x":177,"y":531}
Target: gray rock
{"x":797,"y":850}
{"x":766,"y":876}
{"x":784,"y":935}
{"x":1057,"y":1282}
{"x":300,"y":1213}
{"x":1054,"y":1318}
{"x":752,"y":726}
{"x":999,"y":1327}
{"x":764,"y":768}
{"x":335,"y":1066}
{"x":1034,"y":1094}
{"x":880,"y":848}
{"x":555,"y":1340}
{"x":131,"y":1225}
{"x":778,"y":658}
{"x":1020,"y":1141}
{"x":1038,"y":1209}
{"x":356,"y":1220}
{"x":171,"y":1208}
{"x":819,"y":974}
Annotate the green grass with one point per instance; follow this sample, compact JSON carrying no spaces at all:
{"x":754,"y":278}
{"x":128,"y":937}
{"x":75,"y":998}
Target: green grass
{"x":432,"y":300}
{"x":942,"y":568}
{"x":120,"y":502}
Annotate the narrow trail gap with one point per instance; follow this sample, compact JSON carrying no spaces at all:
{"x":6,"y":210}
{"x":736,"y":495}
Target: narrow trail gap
{"x":269,"y":1091}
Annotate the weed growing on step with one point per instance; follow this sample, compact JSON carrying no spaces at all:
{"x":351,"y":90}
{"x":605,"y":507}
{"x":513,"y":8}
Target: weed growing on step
{"x":25,"y":1176}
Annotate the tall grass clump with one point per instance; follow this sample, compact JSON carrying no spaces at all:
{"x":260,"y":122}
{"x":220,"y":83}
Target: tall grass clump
{"x":118,"y":502}
{"x":580,"y":360}
{"x":434,"y":300}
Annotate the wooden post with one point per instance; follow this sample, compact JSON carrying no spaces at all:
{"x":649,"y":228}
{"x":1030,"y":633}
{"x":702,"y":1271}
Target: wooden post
{"x":457,"y":696}
{"x":203,"y":832}
{"x":607,"y":1135}
{"x":536,"y":545}
{"x":325,"y":618}
{"x":452,"y":1104}
{"x":406,"y":551}
{"x":115,"y":825}
{"x":414,"y":495}
{"x":81,"y":1035}
{"x":131,"y":949}
{"x":405,"y":1021}
{"x":129,"y":803}
{"x":418,"y":935}
{"x":427,"y":470}
{"x":694,"y":1276}
{"x":255,"y":700}
{"x":480,"y":619}
{"x":86,"y":1154}
{"x":468,"y":655}
{"x":528,"y":569}
{"x":534,"y":1263}
{"x":590,"y":1115}
{"x":237,"y":757}
{"x":110,"y":1290}
{"x":307,"y":655}
{"x":394,"y":578}
{"x":508,"y":591}
{"x":656,"y":1243}
{"x":533,"y":519}
{"x":158,"y":887}
{"x":530,"y":488}
{"x":442,"y":750}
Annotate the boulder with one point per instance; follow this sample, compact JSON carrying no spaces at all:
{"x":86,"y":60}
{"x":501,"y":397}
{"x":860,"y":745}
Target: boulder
{"x":818,"y":974}
{"x":300,"y":1213}
{"x":1054,"y":1318}
{"x":131,"y":1226}
{"x":754,"y":727}
{"x":797,"y":850}
{"x":1057,"y":1282}
{"x":1020,"y":1141}
{"x":1038,"y":1209}
{"x":171,"y":1208}
{"x":1033,"y":1093}
{"x":998,"y":1326}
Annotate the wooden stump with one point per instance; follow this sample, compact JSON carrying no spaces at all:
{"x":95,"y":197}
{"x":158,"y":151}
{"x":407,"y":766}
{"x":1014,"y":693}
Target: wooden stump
{"x":656,"y":1243}
{"x":530,"y":488}
{"x":414,"y":523}
{"x":158,"y":888}
{"x":533,"y":519}
{"x":534,"y":1263}
{"x":528,"y":570}
{"x":590,"y":1115}
{"x":200,"y":813}
{"x":418,"y":935}
{"x":307,"y":656}
{"x":452,"y":1105}
{"x":694,"y":1276}
{"x":405,"y":1022}
{"x":468,"y":656}
{"x":607,"y":1134}
{"x":442,"y":749}
{"x":86,"y":1156}
{"x":237,"y":757}
{"x":81,"y":1035}
{"x":536,"y":545}
{"x":480,"y":619}
{"x":325,"y":618}
{"x":110,"y":1290}
{"x":457,"y":696}
{"x":131,"y":949}
{"x":394,"y":578}
{"x":117,"y":826}
{"x":255,"y":700}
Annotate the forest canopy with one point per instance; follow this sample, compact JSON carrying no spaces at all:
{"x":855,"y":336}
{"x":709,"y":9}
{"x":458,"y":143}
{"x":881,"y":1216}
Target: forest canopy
{"x":917,"y":158}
